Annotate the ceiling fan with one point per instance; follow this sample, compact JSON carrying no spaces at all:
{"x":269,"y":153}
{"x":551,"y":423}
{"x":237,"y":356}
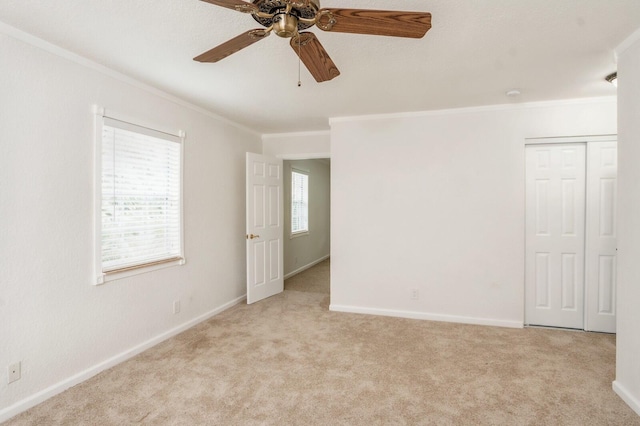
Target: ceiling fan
{"x":287,"y":18}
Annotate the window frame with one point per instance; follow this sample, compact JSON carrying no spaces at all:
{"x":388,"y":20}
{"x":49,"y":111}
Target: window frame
{"x":294,"y":234}
{"x":100,"y":116}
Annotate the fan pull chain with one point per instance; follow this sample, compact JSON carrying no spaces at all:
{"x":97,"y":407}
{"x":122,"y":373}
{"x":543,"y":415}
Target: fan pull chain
{"x":299,"y":60}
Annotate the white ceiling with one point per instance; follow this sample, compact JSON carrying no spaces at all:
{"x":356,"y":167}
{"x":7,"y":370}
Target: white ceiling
{"x":475,"y":52}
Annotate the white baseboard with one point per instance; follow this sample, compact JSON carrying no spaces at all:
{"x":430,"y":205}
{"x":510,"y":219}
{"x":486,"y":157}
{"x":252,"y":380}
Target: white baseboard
{"x":43,"y":395}
{"x":626,"y":396}
{"x":426,"y":316}
{"x":305,"y":267}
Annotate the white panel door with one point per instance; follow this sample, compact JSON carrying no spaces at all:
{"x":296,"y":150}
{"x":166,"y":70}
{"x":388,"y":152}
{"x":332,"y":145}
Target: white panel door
{"x":264,"y":227}
{"x":555,"y":235}
{"x":600,"y":300}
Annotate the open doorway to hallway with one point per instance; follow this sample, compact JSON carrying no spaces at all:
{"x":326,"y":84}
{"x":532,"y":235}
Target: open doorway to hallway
{"x":313,"y":280}
{"x":307,"y":226}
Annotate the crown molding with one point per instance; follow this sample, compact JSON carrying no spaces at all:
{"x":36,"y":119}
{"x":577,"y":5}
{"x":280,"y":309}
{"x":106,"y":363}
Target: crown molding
{"x":628,"y":42}
{"x":56,"y":50}
{"x":486,"y":108}
{"x":296,"y":134}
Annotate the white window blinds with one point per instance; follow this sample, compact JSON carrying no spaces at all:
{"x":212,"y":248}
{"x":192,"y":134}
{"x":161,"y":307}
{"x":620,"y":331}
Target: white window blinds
{"x":299,"y":202}
{"x":141,"y":196}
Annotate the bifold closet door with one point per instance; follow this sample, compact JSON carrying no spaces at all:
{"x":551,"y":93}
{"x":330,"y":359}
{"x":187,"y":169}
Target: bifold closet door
{"x":600,"y":300}
{"x":555,"y":235}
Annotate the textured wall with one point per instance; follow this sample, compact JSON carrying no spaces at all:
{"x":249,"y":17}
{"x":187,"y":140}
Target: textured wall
{"x":51,"y":316}
{"x":435,"y":202}
{"x":297,"y":145}
{"x":627,"y":383}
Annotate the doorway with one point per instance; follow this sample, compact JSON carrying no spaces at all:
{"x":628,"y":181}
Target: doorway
{"x":307,"y":237}
{"x":570,"y":254}
{"x":270,"y":235}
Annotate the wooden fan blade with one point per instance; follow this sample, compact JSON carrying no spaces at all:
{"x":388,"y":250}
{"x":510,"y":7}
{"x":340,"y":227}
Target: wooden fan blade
{"x":314,"y":57}
{"x":232,"y":46}
{"x":239,"y":5}
{"x":375,"y":22}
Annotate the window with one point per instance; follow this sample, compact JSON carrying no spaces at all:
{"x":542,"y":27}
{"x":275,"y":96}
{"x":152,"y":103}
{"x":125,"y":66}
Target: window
{"x":140,"y":199}
{"x":299,"y":202}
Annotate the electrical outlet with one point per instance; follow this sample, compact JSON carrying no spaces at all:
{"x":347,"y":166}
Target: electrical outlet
{"x":13,"y":372}
{"x":176,"y":306}
{"x":415,"y":294}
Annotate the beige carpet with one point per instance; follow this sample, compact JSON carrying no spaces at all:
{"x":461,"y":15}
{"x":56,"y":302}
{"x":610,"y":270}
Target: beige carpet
{"x":289,"y":361}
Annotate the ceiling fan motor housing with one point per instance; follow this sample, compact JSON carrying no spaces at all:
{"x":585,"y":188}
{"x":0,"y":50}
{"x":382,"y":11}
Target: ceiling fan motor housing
{"x":286,"y":24}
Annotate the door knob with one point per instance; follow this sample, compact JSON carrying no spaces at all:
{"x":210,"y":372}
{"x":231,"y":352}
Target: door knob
{"x":251,"y":236}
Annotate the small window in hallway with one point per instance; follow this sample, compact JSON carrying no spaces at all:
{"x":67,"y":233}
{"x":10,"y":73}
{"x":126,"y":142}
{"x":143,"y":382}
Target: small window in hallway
{"x":299,"y":202}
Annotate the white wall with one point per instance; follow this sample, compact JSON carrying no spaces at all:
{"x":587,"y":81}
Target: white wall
{"x":305,"y":250}
{"x":627,"y":383}
{"x":52,"y":318}
{"x":435,"y":202}
{"x":302,"y":145}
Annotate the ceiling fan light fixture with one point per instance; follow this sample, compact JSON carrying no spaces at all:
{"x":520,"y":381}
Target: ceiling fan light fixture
{"x":612,"y":78}
{"x":285,"y":25}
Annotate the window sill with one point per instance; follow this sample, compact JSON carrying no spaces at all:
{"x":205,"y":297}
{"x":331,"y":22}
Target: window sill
{"x":117,"y":275}
{"x":298,"y":234}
